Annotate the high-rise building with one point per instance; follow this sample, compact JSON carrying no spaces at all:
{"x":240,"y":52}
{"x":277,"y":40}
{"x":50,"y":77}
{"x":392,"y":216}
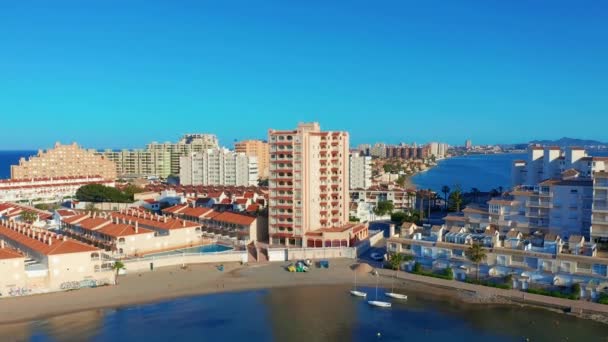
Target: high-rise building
{"x":64,"y":161}
{"x":159,"y":159}
{"x":308,"y":185}
{"x":468,"y":144}
{"x":258,"y":149}
{"x":218,"y":167}
{"x":599,"y":219}
{"x":439,"y":150}
{"x":360,"y":172}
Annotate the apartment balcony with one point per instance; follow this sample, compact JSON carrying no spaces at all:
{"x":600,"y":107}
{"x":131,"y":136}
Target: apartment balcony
{"x":539,"y":204}
{"x":600,"y":208}
{"x":539,"y":215}
{"x":599,"y":230}
{"x":601,"y":184}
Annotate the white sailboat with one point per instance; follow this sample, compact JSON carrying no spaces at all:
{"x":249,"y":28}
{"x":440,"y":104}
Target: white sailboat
{"x":393,"y":294}
{"x":377,"y":302}
{"x":354,"y":291}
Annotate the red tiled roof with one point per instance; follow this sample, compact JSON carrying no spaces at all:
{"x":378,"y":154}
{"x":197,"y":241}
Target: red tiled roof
{"x":75,"y":219}
{"x":65,"y":212}
{"x":196,"y":212}
{"x":57,"y":246}
{"x":234,"y":218}
{"x":242,"y":201}
{"x":158,"y":221}
{"x":253,"y":207}
{"x":175,"y":209}
{"x":93,"y":223}
{"x":226,"y":201}
{"x":119,"y":229}
{"x":8,"y":253}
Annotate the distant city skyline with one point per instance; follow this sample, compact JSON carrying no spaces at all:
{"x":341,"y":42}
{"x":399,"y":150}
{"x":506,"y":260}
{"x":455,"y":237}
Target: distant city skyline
{"x":110,"y":74}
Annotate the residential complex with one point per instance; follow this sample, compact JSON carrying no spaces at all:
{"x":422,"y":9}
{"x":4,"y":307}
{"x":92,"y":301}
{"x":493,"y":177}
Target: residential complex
{"x":308,"y":183}
{"x":402,"y":151}
{"x":218,"y":167}
{"x":439,"y":150}
{"x":258,"y":149}
{"x":159,"y":159}
{"x":545,"y":259}
{"x":56,"y":188}
{"x":360,"y":169}
{"x":599,"y":219}
{"x":551,"y":162}
{"x":64,"y":161}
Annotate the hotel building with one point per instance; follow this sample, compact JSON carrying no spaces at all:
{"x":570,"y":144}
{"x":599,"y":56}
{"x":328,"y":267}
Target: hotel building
{"x":64,"y":161}
{"x":360,"y":168}
{"x":218,"y":167}
{"x":258,"y":149}
{"x":309,"y":183}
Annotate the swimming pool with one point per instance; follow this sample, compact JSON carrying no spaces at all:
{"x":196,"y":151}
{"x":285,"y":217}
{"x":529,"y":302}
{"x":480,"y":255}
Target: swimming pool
{"x":198,"y":249}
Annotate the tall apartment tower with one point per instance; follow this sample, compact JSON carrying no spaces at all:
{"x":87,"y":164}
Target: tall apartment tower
{"x":308,"y":182}
{"x":360,"y":172}
{"x":258,"y":149}
{"x":218,"y":167}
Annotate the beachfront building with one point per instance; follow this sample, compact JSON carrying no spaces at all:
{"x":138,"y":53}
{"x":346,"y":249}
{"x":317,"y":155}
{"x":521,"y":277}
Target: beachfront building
{"x":238,"y":228}
{"x":551,"y":162}
{"x":599,"y":220}
{"x":218,"y":167}
{"x":14,"y":211}
{"x":52,"y":262}
{"x":51,"y":188}
{"x":70,"y":161}
{"x":360,"y":172}
{"x":308,"y":183}
{"x":258,"y":149}
{"x":12,"y":270}
{"x":439,"y":150}
{"x":544,"y":259}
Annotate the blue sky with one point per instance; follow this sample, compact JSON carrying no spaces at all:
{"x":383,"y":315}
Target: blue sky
{"x":124,"y":73}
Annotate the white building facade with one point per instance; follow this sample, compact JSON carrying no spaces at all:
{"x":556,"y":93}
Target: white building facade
{"x":218,"y":167}
{"x":360,"y":172}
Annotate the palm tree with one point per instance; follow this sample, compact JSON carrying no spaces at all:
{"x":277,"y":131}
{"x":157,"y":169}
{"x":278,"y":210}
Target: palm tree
{"x":118,"y":265}
{"x":429,"y":196}
{"x":29,"y":216}
{"x":456,"y":199}
{"x":446,"y":190}
{"x":475,"y":192}
{"x":476,"y":254}
{"x":395,"y":260}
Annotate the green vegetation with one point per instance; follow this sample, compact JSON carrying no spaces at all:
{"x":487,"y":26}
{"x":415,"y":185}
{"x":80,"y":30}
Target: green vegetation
{"x":29,"y":216}
{"x":446,"y":274}
{"x":118,"y":265}
{"x":456,"y":200}
{"x":392,"y":167}
{"x":505,"y":284}
{"x":401,"y":181}
{"x":476,"y":254}
{"x":353,"y":219}
{"x":446,"y":191}
{"x":98,"y":193}
{"x":410,"y":216}
{"x":47,"y":206}
{"x":573,"y":295}
{"x":396,"y":259}
{"x":603,"y":299}
{"x":384,"y":208}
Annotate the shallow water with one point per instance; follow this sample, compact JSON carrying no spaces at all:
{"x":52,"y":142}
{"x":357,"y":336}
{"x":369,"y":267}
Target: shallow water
{"x":319,"y":313}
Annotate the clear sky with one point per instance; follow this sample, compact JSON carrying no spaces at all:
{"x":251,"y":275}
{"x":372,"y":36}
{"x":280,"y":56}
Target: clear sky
{"x":121,"y":73}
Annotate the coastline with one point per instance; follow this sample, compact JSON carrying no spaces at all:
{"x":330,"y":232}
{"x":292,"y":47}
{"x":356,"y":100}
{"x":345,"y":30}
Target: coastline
{"x":200,"y":279}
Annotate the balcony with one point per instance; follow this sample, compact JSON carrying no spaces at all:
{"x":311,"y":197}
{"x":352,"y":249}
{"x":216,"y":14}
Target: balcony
{"x":539,"y":204}
{"x":601,"y":183}
{"x":600,"y":208}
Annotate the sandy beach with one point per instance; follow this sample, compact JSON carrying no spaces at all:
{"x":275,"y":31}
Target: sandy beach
{"x":174,"y":282}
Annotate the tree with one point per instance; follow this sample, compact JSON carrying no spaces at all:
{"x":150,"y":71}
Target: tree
{"x":91,"y":207}
{"x":456,"y":199}
{"x":395,"y":260}
{"x":476,"y":254}
{"x":131,"y":190}
{"x":100,"y":193}
{"x":446,"y":190}
{"x":384,"y":208}
{"x":398,"y":216}
{"x":29,"y":216}
{"x":118,"y":265}
{"x":401,"y":181}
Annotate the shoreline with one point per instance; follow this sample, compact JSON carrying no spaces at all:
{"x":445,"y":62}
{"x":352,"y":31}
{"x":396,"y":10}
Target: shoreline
{"x":203,"y":279}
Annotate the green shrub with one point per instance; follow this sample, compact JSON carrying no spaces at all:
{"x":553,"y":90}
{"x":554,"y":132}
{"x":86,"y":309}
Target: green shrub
{"x":446,"y":274}
{"x":555,"y":293}
{"x":504,"y":286}
{"x":603,"y":299}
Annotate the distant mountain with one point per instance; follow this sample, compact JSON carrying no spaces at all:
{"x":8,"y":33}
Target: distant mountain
{"x":564,"y":142}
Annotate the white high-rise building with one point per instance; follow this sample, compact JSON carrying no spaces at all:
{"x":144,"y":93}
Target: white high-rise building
{"x":439,"y":150}
{"x":218,"y":167}
{"x":360,"y":172}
